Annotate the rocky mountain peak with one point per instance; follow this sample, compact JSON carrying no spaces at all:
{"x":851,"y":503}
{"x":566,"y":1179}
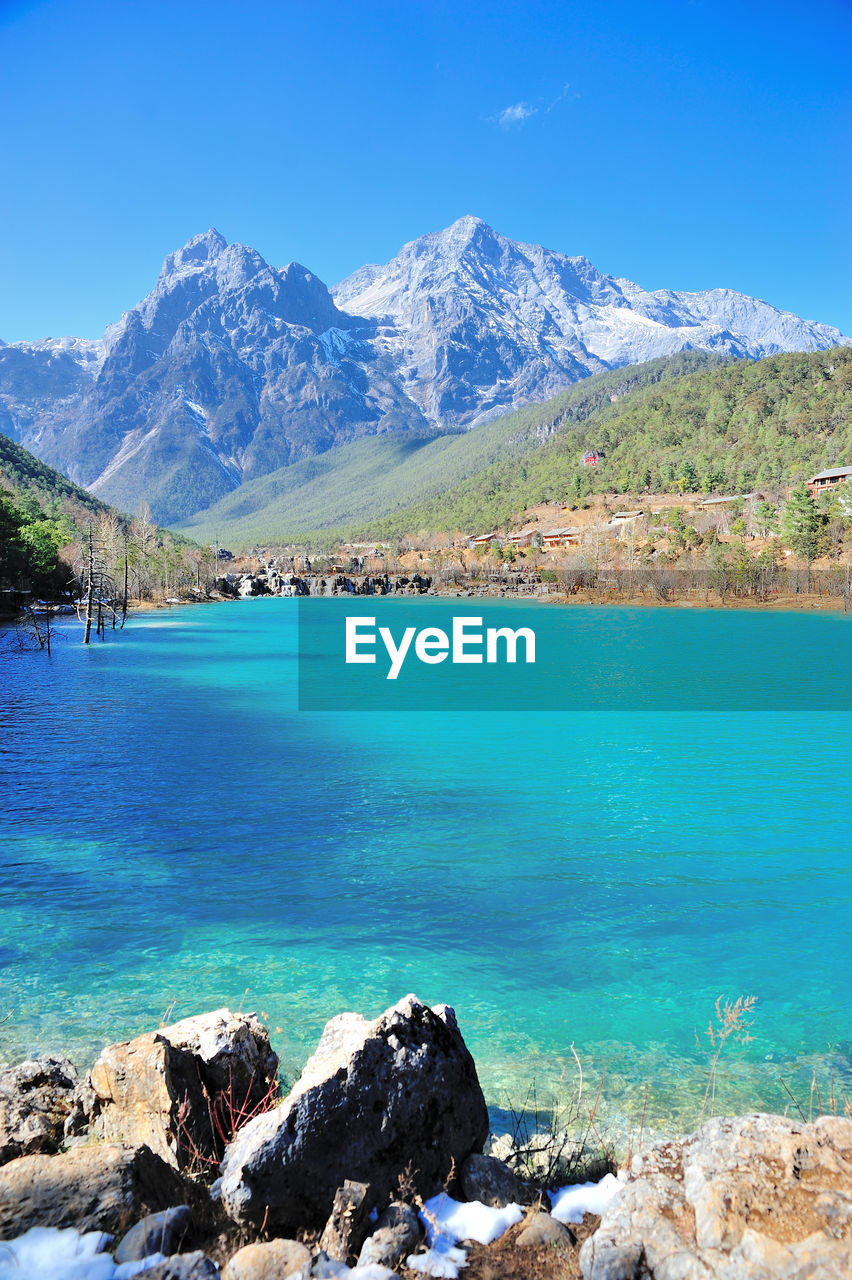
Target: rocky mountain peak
{"x":466,"y":238}
{"x":309,"y":300}
{"x":196,"y":253}
{"x":482,"y":323}
{"x":467,"y":224}
{"x":230,"y":368}
{"x":235,"y":266}
{"x":206,"y":268}
{"x":467,"y":231}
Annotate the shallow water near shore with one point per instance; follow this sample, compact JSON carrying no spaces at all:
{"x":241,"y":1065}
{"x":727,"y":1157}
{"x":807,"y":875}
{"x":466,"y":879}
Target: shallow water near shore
{"x":176,"y":836}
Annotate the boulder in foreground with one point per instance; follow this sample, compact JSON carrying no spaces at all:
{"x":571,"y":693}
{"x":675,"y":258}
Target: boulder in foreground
{"x":397,"y":1234}
{"x":35,"y":1100}
{"x":99,"y":1187}
{"x":162,"y":1232}
{"x":741,"y":1199}
{"x":377,"y":1100}
{"x":182,"y":1090}
{"x":272,"y":1260}
{"x":492,"y":1182}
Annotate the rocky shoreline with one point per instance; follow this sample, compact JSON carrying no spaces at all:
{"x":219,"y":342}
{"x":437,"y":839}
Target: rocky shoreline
{"x":650,"y":591}
{"x":176,"y":1156}
{"x":646,"y":588}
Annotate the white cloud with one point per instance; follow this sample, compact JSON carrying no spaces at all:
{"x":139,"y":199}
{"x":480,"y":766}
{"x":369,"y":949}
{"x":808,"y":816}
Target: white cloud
{"x":517,"y":114}
{"x":520,"y":112}
{"x":567,"y":95}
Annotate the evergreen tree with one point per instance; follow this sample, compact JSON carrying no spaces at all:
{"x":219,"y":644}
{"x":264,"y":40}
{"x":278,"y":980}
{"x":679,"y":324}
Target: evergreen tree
{"x":803,"y":524}
{"x":765,"y":518}
{"x":12,"y":559}
{"x":688,"y":481}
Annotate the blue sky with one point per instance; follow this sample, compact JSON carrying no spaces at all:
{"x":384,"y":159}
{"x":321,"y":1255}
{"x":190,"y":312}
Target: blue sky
{"x":684,"y":145}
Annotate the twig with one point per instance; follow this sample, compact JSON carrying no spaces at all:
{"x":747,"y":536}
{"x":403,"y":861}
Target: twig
{"x":580,"y":1069}
{"x":784,"y":1085}
{"x":644,"y":1109}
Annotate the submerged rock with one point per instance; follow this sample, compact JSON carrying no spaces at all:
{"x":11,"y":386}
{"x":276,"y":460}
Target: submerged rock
{"x":375,"y":1100}
{"x":184,"y":1089}
{"x":35,"y":1100}
{"x":741,"y":1199}
{"x":100,"y":1187}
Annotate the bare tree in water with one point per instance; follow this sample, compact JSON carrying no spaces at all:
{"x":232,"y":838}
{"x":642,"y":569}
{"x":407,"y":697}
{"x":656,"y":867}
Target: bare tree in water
{"x":34,"y":630}
{"x":98,"y":595}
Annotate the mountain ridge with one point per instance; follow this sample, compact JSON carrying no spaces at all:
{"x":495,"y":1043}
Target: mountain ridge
{"x":374,"y":478}
{"x":563,"y":317}
{"x":693,"y":422}
{"x":229,"y":368}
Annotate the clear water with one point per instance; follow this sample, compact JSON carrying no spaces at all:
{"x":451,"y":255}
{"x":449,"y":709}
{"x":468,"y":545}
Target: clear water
{"x":176,"y":836}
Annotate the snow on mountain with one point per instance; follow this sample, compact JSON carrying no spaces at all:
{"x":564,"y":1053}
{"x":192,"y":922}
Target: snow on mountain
{"x":230,"y":368}
{"x":227,"y":369}
{"x":88,"y":353}
{"x":479,"y":323}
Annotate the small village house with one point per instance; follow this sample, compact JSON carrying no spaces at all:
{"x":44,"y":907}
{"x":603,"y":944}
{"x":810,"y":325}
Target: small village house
{"x":560,"y":538}
{"x":523,"y":537}
{"x":623,"y":523}
{"x":829,"y":479}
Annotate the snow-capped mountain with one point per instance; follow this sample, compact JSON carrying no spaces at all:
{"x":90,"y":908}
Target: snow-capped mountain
{"x":227,"y":370}
{"x":230,"y":368}
{"x":478,"y":324}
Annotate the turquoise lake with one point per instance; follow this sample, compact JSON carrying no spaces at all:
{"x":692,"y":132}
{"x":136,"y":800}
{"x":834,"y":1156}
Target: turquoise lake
{"x":176,"y":835}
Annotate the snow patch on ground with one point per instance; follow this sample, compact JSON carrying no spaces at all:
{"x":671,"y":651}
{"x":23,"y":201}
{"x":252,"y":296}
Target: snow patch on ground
{"x":447,"y":1221}
{"x":331,"y":1270}
{"x":441,"y":1260}
{"x":568,"y":1204}
{"x":51,"y":1253}
{"x":446,"y":1217}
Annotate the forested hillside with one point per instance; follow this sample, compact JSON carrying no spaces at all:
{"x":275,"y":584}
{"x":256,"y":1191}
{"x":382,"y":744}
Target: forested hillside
{"x":41,"y":511}
{"x":45,"y":518}
{"x":375,"y":477}
{"x":730,"y":428}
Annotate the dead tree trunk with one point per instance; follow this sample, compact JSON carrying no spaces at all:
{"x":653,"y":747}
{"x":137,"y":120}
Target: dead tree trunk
{"x":90,"y":587}
{"x":37,"y":629}
{"x":124,"y":598}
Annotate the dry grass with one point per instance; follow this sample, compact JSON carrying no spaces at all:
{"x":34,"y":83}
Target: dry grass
{"x":559,"y":1143}
{"x":505,"y":1260}
{"x":837,"y":1101}
{"x":227,"y":1112}
{"x":733,"y":1020}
